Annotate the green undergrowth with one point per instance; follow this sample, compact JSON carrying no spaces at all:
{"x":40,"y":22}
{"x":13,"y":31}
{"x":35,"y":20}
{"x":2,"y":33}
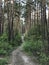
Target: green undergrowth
{"x":3,"y":61}
{"x":34,"y":45}
{"x":7,"y":47}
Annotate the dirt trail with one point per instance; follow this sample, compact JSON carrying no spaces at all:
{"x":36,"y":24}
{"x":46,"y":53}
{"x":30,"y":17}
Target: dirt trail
{"x":20,"y":58}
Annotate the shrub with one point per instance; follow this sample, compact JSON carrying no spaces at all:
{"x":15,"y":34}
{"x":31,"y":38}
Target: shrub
{"x":4,"y":37}
{"x":5,"y":48}
{"x":44,"y":59}
{"x":3,"y":62}
{"x":34,"y":47}
{"x":17,"y":40}
{"x":3,"y":52}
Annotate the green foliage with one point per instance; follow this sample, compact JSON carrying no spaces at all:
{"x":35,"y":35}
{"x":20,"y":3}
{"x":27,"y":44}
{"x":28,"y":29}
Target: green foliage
{"x":17,"y":40}
{"x":4,"y":37}
{"x":3,"y":62}
{"x":34,"y":47}
{"x":3,"y":52}
{"x":34,"y":44}
{"x":44,"y":59}
{"x":6,"y":47}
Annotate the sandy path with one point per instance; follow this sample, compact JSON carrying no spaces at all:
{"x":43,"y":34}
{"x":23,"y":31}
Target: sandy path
{"x":19,"y":58}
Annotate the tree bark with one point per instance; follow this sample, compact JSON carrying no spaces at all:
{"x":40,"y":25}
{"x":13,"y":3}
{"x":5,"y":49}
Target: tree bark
{"x":1,"y":17}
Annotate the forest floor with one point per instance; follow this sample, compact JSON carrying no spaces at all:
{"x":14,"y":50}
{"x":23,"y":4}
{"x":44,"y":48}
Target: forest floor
{"x":18,"y":57}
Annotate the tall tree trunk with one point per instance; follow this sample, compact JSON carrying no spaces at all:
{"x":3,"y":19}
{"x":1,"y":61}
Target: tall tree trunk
{"x":9,"y":23}
{"x":28,"y":15}
{"x":45,"y":32}
{"x":19,"y":17}
{"x":2,"y":20}
{"x":48,"y":30}
{"x":12,"y":19}
{"x":43,"y":17}
{"x":0,"y":17}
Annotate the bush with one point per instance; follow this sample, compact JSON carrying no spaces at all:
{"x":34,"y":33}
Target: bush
{"x":44,"y":59}
{"x":34,"y":47}
{"x":3,"y":38}
{"x":3,"y":52}
{"x":5,"y":48}
{"x":3,"y":62}
{"x":17,"y":40}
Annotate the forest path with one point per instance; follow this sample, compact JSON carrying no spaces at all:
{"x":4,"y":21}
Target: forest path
{"x":18,"y":57}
